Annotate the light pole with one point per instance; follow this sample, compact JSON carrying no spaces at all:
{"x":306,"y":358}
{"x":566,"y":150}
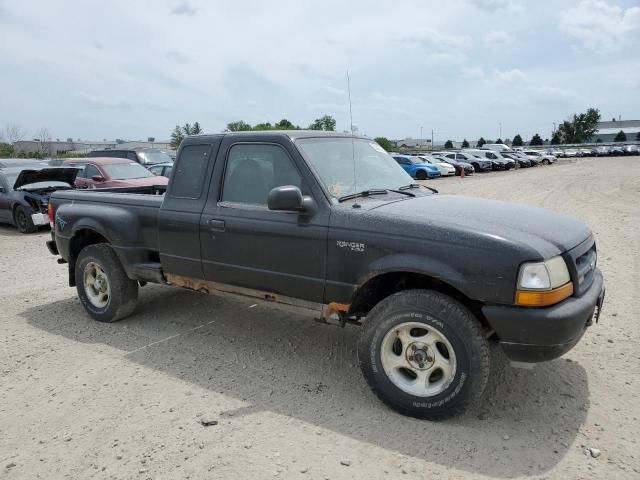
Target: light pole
{"x":420,"y":139}
{"x":432,"y":139}
{"x":500,"y":136}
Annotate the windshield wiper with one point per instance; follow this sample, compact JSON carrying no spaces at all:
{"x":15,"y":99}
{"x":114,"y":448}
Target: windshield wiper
{"x":400,"y":190}
{"x":364,"y":193}
{"x":416,"y":185}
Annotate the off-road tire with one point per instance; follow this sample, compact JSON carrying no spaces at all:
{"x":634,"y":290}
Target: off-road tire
{"x":123,"y":291}
{"x":459,"y":326}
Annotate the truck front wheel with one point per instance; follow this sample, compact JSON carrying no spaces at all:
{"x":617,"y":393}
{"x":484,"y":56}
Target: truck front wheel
{"x":424,"y":355}
{"x":105,"y":291}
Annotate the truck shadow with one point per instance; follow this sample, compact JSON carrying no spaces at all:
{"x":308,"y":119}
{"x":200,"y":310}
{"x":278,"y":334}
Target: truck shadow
{"x":281,"y":362}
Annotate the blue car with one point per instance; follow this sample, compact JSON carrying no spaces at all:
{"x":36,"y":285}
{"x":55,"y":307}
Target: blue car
{"x":416,"y":167}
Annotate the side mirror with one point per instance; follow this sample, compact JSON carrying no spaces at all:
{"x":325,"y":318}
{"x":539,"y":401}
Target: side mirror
{"x":97,"y":178}
{"x":287,"y":198}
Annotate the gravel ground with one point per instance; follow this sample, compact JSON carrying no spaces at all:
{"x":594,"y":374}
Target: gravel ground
{"x":79,"y":399}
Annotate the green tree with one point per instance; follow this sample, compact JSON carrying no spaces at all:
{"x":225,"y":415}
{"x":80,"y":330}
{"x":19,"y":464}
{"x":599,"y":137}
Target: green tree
{"x":536,"y":140}
{"x":285,"y":124}
{"x":499,"y":140}
{"x":196,"y":130}
{"x":517,"y":141}
{"x":465,"y":144}
{"x":6,"y":150}
{"x":384,"y":143}
{"x":556,"y":139}
{"x":263,"y":126}
{"x":580,"y":128}
{"x":481,"y":142}
{"x":599,"y":140}
{"x":239,"y":126}
{"x":448,"y":144}
{"x":638,"y":137}
{"x":176,"y":137}
{"x":326,"y":123}
{"x":620,"y":137}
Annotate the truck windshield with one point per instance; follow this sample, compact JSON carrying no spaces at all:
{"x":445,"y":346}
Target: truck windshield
{"x":335,"y":160}
{"x":126,"y":171}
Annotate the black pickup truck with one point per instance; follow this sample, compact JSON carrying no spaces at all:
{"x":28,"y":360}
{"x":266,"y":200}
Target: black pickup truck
{"x":330,"y":222}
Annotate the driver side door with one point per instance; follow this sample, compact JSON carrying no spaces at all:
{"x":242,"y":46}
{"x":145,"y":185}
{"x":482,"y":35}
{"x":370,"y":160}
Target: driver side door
{"x":245,"y":244}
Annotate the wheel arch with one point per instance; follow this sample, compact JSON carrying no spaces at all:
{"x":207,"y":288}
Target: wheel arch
{"x":381,"y":285}
{"x":83,"y":236}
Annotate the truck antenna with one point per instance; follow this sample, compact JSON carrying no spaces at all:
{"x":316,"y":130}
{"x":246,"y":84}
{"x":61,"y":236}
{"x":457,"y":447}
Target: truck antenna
{"x":353,"y":146}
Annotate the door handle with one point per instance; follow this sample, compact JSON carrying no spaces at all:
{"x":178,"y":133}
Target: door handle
{"x":216,"y":225}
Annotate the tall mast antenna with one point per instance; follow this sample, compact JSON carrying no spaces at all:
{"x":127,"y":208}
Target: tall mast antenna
{"x":353,"y":146}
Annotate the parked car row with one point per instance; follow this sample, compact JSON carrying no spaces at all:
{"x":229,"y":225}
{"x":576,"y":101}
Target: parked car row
{"x":602,"y":151}
{"x":423,"y":166}
{"x":25,"y":185}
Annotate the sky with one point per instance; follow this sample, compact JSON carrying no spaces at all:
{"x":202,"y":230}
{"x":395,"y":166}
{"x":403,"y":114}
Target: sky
{"x":134,"y":69}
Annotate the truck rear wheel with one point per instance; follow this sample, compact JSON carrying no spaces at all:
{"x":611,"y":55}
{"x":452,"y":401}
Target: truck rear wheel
{"x":105,"y":291}
{"x":424,"y":354}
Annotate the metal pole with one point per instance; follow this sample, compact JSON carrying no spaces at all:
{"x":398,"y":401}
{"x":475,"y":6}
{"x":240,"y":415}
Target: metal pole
{"x":432,"y":139}
{"x":420,"y":139}
{"x":500,"y":136}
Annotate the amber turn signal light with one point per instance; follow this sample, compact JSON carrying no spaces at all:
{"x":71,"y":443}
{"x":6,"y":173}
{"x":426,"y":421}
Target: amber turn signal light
{"x":530,"y":298}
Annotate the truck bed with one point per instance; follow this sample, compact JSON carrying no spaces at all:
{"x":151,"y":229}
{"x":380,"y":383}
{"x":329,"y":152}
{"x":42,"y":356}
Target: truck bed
{"x":135,"y":213}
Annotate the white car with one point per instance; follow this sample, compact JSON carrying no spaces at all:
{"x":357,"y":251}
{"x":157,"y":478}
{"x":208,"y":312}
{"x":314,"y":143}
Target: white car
{"x":570,"y":153}
{"x":542,"y":157}
{"x":446,"y":169}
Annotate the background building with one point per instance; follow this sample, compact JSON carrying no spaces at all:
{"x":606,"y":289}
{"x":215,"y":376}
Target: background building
{"x":607,"y":131}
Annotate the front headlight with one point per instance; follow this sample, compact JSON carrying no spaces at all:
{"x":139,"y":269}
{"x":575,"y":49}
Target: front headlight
{"x":543,"y":283}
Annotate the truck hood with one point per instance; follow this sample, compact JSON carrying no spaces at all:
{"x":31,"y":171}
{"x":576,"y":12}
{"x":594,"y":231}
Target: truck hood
{"x":28,"y":176}
{"x":547,"y":232}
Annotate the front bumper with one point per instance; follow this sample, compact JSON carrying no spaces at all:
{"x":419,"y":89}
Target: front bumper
{"x":541,"y":334}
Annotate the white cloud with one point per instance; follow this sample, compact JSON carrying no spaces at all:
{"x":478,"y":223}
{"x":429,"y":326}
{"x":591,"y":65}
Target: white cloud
{"x":473,"y":72}
{"x":498,"y":38}
{"x":601,"y":27}
{"x":511,"y":76}
{"x":491,"y":5}
{"x":183,"y":8}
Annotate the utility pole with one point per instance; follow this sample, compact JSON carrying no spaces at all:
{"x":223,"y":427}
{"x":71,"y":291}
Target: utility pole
{"x":500,"y":136}
{"x":432,"y":139}
{"x":420,"y":139}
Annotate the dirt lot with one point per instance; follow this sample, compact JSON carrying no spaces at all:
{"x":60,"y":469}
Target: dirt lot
{"x":80,"y":399}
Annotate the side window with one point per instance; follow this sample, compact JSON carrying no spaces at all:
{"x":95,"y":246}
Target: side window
{"x":91,"y":171}
{"x":253,"y":170}
{"x":451,"y":155}
{"x":132,"y":156}
{"x":189,"y":177}
{"x":83,"y":169}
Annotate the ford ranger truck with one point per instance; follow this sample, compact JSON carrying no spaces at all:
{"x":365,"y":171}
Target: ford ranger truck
{"x":331,"y":223}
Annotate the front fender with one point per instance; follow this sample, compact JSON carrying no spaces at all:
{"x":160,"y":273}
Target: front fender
{"x":412,"y":263}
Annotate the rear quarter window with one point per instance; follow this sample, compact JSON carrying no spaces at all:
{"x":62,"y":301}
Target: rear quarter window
{"x":190,"y":169}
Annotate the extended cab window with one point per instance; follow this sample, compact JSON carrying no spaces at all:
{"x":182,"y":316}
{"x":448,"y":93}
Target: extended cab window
{"x":253,"y":170}
{"x":189,"y":177}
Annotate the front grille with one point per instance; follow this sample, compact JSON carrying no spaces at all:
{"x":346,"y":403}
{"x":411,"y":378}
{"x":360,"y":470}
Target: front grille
{"x":581,"y":261}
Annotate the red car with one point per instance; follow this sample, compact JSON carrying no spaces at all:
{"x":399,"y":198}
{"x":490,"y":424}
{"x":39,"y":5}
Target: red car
{"x":113,"y":172}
